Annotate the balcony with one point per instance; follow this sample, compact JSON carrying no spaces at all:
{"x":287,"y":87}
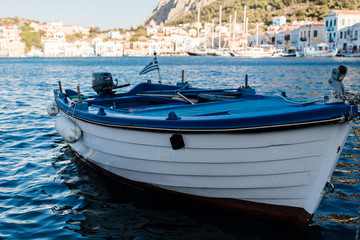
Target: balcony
{"x":303,"y":39}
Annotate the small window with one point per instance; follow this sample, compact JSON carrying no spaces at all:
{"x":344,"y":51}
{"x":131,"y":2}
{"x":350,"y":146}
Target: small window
{"x":315,"y":33}
{"x":341,"y":35}
{"x":334,"y":22}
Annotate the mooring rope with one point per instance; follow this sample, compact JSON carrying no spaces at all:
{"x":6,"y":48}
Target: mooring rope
{"x":299,"y":103}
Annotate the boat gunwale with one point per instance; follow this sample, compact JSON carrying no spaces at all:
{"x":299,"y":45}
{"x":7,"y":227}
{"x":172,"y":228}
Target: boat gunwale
{"x":339,"y":112}
{"x":223,"y":130}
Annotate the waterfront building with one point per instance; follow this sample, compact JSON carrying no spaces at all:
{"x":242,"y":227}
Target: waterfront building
{"x":291,"y":37}
{"x":4,"y":50}
{"x":349,"y":38}
{"x":53,"y":48}
{"x":259,"y":38}
{"x":110,"y":48}
{"x":16,"y":48}
{"x":295,"y":38}
{"x":311,"y":34}
{"x":179,"y":43}
{"x":10,"y":32}
{"x":280,"y":39}
{"x":83,"y":49}
{"x":336,"y":20}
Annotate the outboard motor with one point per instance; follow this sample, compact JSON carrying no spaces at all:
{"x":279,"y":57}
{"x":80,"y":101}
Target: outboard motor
{"x":102,"y":83}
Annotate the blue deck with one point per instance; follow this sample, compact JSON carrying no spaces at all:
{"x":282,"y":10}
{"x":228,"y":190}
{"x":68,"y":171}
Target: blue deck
{"x":213,"y":111}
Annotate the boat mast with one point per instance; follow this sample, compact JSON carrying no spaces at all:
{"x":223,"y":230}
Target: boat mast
{"x":205,"y":43}
{"x":257,"y":34}
{"x":246,"y":33}
{"x":228,"y":38}
{"x":244,"y":27}
{"x":234,"y":34}
{"x":198,"y":23}
{"x":213,"y":34}
{"x":220,"y":28}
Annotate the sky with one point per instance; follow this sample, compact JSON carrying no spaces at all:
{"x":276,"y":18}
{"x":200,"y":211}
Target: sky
{"x":105,"y":14}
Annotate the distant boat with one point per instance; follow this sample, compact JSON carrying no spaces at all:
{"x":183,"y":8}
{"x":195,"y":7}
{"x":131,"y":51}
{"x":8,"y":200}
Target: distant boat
{"x":288,"y":54}
{"x":319,"y":50}
{"x":255,"y":52}
{"x":351,"y":55}
{"x":202,"y":53}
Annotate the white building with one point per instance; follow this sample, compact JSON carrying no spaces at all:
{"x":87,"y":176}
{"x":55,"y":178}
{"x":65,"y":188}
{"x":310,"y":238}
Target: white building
{"x":4,"y":50}
{"x":115,"y":35}
{"x":336,"y":20}
{"x":10,"y":32}
{"x":111,"y":48}
{"x":16,"y":48}
{"x":311,"y":34}
{"x":53,"y":48}
{"x":349,"y":38}
{"x":280,"y":40}
{"x":279,"y":21}
{"x":294,"y":38}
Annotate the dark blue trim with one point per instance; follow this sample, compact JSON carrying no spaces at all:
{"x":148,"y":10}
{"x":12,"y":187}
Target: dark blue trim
{"x":227,"y":114}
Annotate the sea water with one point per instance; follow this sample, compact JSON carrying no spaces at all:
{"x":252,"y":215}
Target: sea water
{"x":46,"y":192}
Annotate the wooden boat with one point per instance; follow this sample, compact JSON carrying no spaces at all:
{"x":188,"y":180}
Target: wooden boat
{"x":268,"y":156}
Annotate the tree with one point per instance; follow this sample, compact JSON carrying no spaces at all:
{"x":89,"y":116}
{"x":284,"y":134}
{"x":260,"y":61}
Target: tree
{"x":31,"y":39}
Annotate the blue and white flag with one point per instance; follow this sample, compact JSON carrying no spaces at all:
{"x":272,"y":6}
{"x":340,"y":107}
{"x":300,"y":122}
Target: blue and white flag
{"x":153,"y":65}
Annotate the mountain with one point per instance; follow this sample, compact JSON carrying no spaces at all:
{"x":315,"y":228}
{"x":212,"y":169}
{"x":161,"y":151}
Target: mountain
{"x":171,"y":10}
{"x":258,"y":11}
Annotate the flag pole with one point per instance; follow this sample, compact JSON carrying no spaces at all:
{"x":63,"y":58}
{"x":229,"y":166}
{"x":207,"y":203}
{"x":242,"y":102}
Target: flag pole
{"x":158,"y":68}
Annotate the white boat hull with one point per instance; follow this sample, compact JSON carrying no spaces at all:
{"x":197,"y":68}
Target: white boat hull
{"x":281,"y":168}
{"x":316,"y":53}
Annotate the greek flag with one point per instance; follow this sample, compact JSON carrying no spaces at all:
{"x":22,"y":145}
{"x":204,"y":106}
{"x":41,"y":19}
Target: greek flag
{"x":153,"y":65}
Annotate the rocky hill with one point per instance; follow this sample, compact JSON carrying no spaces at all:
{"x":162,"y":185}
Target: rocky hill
{"x":258,"y":11}
{"x":171,"y":10}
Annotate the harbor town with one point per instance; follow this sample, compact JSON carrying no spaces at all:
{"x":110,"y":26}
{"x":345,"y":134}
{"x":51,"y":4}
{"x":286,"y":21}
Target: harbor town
{"x":339,"y":31}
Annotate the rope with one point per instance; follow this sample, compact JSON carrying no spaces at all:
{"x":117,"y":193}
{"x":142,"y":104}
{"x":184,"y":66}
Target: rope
{"x":299,"y":103}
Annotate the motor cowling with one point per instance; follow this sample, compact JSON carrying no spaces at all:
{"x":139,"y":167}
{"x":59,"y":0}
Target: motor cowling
{"x":102,"y":83}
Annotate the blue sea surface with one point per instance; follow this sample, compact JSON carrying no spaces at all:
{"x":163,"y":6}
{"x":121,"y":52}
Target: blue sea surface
{"x":46,"y":192}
